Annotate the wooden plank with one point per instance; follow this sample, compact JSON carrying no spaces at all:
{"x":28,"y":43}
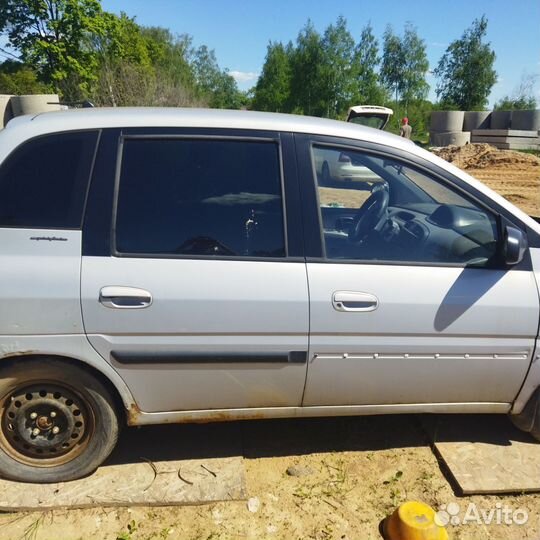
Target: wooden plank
{"x":163,"y":483}
{"x":486,"y":454}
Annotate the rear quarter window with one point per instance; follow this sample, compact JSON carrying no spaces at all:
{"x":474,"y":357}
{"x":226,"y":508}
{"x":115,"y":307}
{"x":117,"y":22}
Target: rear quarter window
{"x":44,"y":181}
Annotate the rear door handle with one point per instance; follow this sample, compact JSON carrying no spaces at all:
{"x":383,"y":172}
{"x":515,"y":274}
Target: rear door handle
{"x":124,"y":297}
{"x":354,"y":301}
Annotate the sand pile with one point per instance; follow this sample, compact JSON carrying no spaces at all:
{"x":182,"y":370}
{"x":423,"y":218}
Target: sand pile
{"x":481,"y":156}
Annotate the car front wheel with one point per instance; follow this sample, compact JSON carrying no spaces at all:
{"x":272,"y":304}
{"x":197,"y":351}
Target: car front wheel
{"x":58,"y":421}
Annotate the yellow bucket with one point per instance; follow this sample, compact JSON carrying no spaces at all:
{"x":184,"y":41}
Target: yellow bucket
{"x":413,"y":521}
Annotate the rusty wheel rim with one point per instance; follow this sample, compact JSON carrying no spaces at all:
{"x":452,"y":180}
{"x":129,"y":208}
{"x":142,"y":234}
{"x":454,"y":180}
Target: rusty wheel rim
{"x":45,"y":425}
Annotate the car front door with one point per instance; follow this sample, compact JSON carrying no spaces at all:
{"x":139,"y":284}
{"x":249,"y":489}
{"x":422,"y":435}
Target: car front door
{"x":409,"y":300}
{"x":196,"y":289}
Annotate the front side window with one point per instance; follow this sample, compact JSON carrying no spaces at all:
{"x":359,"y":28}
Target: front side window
{"x":377,"y":208}
{"x":43,"y":182}
{"x":200,"y":197}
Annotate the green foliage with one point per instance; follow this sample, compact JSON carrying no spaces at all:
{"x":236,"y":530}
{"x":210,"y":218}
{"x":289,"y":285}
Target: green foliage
{"x":465,"y":71}
{"x":414,"y":85}
{"x":523,"y":96}
{"x":48,"y":35}
{"x":393,"y":62}
{"x":214,"y":84}
{"x":18,"y":78}
{"x":418,"y":112}
{"x":80,"y":51}
{"x":508,"y":103}
{"x":170,"y":55}
{"x":368,"y":91}
{"x":320,"y":75}
{"x":124,"y":69}
{"x":337,"y":70}
{"x":77,"y":49}
{"x":404,"y":65}
{"x":128,"y":535}
{"x":272,"y":92}
{"x":306,"y":61}
{"x":142,"y":66}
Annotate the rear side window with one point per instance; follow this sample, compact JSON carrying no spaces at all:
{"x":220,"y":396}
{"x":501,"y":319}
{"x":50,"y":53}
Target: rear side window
{"x":43,"y":183}
{"x":200,"y":197}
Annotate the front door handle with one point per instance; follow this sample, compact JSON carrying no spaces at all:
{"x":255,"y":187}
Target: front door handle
{"x":354,"y":301}
{"x":124,"y":297}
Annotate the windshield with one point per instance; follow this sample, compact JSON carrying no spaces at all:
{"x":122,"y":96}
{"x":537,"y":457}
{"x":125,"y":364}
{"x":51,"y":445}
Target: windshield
{"x":374,"y":120}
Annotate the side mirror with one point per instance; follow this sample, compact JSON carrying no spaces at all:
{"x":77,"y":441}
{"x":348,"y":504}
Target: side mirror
{"x":515,"y":245}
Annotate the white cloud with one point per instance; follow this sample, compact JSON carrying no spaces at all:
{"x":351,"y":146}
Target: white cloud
{"x":243,"y":76}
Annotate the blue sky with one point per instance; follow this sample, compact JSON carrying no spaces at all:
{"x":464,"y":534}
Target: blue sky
{"x":239,"y":30}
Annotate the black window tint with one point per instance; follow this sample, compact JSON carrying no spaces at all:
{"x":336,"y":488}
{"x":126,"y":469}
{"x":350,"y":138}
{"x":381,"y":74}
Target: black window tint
{"x":43,"y":183}
{"x":200,"y":197}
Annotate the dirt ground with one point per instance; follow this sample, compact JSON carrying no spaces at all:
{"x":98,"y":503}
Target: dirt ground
{"x":515,"y":175}
{"x":354,"y":471}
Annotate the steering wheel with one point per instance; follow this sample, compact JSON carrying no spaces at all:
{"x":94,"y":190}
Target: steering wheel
{"x":371,"y":215}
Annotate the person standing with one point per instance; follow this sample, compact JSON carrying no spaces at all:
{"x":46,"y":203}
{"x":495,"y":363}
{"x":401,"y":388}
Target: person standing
{"x":406,"y":129}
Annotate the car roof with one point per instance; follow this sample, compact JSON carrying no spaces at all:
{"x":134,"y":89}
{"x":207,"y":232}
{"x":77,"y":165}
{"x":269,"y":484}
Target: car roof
{"x":25,"y":127}
{"x":105,"y":117}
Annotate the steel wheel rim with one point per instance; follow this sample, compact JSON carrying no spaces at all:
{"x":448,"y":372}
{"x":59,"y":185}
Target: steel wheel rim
{"x":45,"y":424}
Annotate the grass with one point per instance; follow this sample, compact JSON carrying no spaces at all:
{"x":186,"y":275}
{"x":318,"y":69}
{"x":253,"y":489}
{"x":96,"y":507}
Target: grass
{"x":127,"y":535}
{"x":532,"y":152}
{"x":30,"y":533}
{"x":395,"y":494}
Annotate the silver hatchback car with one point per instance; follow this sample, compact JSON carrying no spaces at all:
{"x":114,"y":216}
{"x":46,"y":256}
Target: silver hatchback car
{"x":167,"y":265}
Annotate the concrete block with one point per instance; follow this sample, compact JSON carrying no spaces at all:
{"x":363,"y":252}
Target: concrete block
{"x":476,"y":120}
{"x":6,"y":113}
{"x":456,"y":138}
{"x":529,"y":119}
{"x":515,"y":146}
{"x":504,"y":133}
{"x":510,"y":140}
{"x":501,"y":119}
{"x":480,"y":455}
{"x":34,"y":104}
{"x":446,"y":121}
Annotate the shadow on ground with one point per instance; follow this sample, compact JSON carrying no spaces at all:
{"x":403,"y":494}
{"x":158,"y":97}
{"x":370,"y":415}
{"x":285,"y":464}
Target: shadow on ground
{"x":286,"y":437}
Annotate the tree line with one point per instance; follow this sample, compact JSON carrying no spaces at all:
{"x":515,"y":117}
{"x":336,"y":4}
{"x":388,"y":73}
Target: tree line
{"x":79,"y":50}
{"x":75,"y":48}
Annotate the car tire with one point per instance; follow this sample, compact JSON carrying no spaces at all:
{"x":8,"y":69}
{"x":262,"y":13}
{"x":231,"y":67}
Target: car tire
{"x":57,"y":421}
{"x":325,"y":174}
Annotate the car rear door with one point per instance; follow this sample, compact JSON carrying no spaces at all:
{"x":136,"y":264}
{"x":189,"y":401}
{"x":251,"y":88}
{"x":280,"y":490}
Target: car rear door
{"x":405,"y":316}
{"x":193,"y":278}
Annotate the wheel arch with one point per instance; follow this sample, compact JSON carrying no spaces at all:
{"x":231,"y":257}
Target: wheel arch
{"x":123,"y":400}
